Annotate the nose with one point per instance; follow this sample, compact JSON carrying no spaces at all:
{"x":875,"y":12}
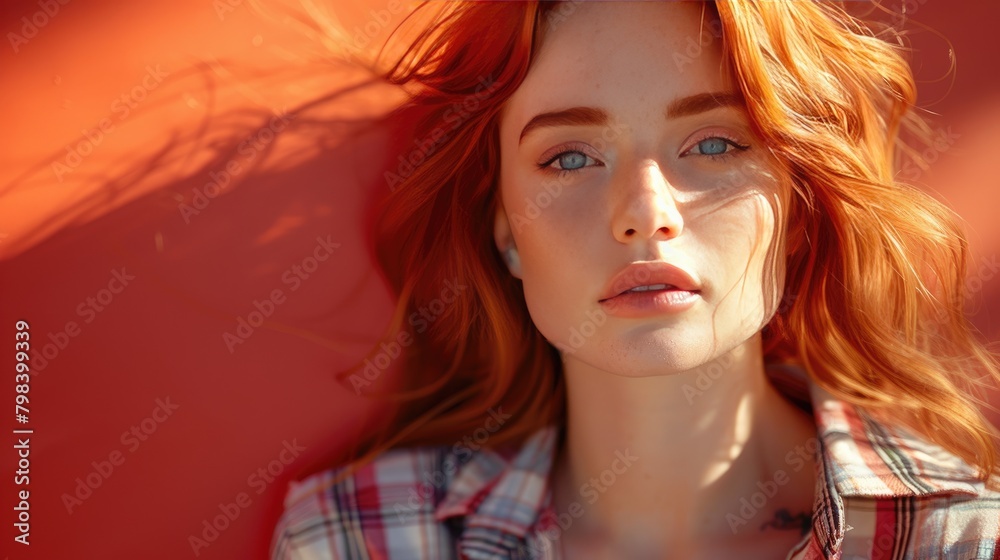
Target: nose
{"x":645,"y":207}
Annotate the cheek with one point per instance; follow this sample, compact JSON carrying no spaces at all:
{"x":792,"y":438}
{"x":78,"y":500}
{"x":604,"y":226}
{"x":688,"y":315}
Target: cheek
{"x":743,"y":246}
{"x":553,"y":298}
{"x":556,"y":231}
{"x":552,"y":221}
{"x":554,"y":272}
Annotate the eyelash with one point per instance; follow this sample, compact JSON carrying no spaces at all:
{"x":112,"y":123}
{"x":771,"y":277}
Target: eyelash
{"x":544,"y":166}
{"x":727,"y":154}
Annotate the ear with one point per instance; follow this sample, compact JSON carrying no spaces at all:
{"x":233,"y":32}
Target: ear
{"x":504,"y":239}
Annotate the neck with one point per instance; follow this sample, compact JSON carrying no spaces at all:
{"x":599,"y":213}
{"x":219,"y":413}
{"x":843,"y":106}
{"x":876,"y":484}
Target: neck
{"x":666,"y":458}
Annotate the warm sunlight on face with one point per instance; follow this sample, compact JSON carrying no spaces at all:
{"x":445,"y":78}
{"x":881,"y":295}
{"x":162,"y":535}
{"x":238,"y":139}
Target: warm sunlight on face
{"x":614,"y":151}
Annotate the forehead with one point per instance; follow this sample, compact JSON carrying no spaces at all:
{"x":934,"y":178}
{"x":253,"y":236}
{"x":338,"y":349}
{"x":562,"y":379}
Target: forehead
{"x":627,"y":57}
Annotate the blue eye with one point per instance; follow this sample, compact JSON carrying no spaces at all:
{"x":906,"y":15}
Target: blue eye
{"x":716,"y":147}
{"x":571,"y":160}
{"x":712,"y":146}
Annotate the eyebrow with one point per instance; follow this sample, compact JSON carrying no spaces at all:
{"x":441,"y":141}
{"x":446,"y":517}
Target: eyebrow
{"x":592,"y":116}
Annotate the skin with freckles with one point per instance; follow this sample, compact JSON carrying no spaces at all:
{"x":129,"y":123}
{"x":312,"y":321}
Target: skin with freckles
{"x":613,"y":154}
{"x":691,"y":190}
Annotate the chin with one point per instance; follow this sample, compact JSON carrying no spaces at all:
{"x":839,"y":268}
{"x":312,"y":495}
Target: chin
{"x":650,"y":355}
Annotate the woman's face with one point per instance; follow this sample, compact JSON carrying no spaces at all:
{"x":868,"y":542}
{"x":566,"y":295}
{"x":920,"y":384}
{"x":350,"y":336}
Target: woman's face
{"x":639,"y":165}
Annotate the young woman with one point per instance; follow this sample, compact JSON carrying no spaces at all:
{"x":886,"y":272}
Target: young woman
{"x":689,"y":311}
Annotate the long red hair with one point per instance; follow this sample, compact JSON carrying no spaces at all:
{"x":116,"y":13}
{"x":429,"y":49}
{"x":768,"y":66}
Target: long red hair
{"x":875,"y":268}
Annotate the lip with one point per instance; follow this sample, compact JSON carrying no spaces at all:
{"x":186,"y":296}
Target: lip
{"x":618,"y":300}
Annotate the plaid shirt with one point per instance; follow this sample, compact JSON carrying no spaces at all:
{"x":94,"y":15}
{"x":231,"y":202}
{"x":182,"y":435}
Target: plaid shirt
{"x":881,"y":493}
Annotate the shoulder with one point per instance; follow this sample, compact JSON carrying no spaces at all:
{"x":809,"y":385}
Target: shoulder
{"x":384,"y":508}
{"x":956,"y":525}
{"x":890,"y":492}
{"x":956,"y":518}
{"x":940,"y":525}
{"x":416,"y":503}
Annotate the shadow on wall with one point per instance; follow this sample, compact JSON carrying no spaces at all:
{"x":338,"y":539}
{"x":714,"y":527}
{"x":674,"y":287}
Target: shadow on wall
{"x":184,"y":344}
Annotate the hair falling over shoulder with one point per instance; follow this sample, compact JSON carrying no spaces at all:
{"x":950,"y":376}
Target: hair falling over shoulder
{"x":875,"y":286}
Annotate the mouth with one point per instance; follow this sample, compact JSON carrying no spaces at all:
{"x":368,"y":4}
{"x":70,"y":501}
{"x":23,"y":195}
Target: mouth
{"x":650,"y":289}
{"x":650,"y":277}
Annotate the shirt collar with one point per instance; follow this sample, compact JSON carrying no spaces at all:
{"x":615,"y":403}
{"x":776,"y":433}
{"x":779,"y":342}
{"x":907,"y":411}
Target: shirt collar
{"x":502,"y":492}
{"x":863,"y":458}
{"x":870,"y":459}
